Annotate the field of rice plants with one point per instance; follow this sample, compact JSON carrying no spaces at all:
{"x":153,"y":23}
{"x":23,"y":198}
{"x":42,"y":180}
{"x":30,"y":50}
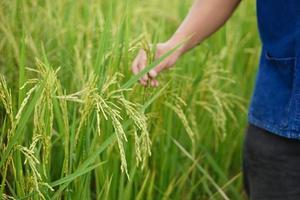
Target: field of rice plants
{"x":76,"y":124}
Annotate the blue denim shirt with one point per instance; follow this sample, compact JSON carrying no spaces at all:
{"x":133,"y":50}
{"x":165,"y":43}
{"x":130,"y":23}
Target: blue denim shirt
{"x":275,"y":104}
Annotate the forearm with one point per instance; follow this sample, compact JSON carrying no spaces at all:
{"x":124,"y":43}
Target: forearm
{"x":205,"y":17}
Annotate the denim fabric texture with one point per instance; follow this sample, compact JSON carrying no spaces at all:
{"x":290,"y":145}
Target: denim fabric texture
{"x":275,"y":103}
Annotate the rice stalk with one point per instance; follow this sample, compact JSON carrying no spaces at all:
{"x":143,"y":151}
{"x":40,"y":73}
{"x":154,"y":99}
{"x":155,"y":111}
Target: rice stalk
{"x":35,"y":178}
{"x":215,"y":100}
{"x":108,"y":105}
{"x":64,"y":110}
{"x":6,"y":101}
{"x":177,"y":108}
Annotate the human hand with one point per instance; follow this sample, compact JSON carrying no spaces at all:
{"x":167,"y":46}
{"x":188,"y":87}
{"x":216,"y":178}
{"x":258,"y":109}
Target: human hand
{"x":140,"y":62}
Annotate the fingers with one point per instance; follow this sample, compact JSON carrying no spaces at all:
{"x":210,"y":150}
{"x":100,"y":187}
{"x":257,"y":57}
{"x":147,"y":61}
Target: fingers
{"x":154,"y":72}
{"x":136,"y":69}
{"x":142,"y":80}
{"x":134,"y":66}
{"x":142,"y":65}
{"x":154,"y":83}
{"x":138,"y":65}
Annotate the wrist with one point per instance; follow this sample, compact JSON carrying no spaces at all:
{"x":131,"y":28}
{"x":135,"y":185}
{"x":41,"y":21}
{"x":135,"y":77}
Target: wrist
{"x":172,"y":43}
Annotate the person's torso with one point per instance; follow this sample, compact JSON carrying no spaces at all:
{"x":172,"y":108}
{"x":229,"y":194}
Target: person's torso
{"x":276,"y":99}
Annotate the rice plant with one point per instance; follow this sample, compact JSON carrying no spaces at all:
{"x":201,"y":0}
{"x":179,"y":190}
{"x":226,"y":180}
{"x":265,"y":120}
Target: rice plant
{"x":75,"y":123}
